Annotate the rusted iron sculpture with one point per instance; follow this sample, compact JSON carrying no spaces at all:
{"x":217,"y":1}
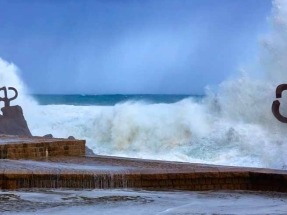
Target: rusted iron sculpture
{"x":276,"y":103}
{"x":5,"y":99}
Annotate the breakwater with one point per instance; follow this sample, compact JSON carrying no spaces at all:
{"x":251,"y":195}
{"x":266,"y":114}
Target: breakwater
{"x":66,"y":166}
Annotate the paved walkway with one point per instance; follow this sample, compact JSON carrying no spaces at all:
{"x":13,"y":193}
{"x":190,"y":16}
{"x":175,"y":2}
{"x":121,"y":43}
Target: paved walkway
{"x":60,"y":163}
{"x":113,"y":172}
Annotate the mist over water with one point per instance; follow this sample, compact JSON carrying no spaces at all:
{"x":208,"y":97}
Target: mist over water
{"x":9,"y":77}
{"x":232,"y":126}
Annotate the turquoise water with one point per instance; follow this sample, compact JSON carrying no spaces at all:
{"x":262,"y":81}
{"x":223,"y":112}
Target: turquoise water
{"x":108,"y":100}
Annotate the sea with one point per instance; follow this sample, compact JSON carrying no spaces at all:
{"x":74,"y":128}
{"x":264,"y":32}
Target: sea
{"x":230,"y":124}
{"x":228,"y":128}
{"x":190,"y":128}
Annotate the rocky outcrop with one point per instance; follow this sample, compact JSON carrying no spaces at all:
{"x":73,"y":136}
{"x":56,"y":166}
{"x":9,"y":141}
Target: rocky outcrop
{"x":89,"y":152}
{"x":12,"y":121}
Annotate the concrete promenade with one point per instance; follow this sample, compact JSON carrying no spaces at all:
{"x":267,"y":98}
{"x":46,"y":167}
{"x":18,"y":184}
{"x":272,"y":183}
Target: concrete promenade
{"x":60,"y":163}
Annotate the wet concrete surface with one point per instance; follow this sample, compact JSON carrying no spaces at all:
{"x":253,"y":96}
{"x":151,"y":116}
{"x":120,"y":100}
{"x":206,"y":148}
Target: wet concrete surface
{"x":113,"y":172}
{"x":12,"y":139}
{"x":59,"y":163}
{"x":127,"y":201}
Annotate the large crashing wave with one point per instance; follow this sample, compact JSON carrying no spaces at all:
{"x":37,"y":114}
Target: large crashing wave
{"x":233,"y":126}
{"x":9,"y":77}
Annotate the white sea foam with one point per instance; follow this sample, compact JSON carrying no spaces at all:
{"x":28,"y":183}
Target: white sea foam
{"x":232,"y":126}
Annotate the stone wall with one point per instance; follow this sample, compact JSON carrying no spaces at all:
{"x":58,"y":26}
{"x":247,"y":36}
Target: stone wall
{"x":42,"y":148}
{"x":183,"y":181}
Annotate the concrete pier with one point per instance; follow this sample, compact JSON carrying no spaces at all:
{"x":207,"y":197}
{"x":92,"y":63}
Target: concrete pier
{"x":67,"y":167}
{"x":20,"y":147}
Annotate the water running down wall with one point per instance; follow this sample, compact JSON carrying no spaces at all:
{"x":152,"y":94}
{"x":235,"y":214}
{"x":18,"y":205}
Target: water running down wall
{"x":232,"y":126}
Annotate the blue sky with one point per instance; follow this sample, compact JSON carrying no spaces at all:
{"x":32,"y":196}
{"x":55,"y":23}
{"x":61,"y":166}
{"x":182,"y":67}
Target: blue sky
{"x":130,"y":46}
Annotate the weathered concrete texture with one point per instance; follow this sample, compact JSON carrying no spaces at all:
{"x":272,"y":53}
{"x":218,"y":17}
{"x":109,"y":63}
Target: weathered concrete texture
{"x":89,"y":151}
{"x":18,"y":147}
{"x":60,"y":163}
{"x":12,"y":122}
{"x":111,"y":172}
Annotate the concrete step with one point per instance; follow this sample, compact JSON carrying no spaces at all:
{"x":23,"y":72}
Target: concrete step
{"x":18,"y":147}
{"x":37,"y":162}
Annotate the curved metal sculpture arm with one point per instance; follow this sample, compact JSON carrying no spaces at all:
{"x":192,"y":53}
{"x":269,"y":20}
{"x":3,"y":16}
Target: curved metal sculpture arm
{"x":276,"y":104}
{"x":279,"y":90}
{"x":276,"y":112}
{"x":5,"y":99}
{"x":5,"y":95}
{"x":15,"y":91}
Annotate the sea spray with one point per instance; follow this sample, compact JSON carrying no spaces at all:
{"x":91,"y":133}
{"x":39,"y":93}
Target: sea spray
{"x":9,"y":77}
{"x":274,"y":46}
{"x":183,"y":131}
{"x":232,"y":126}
